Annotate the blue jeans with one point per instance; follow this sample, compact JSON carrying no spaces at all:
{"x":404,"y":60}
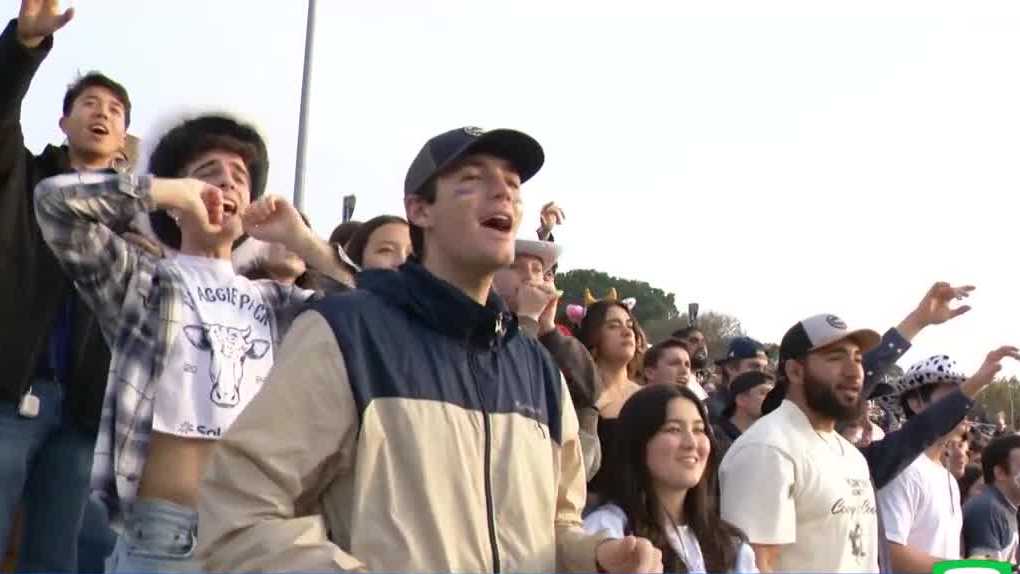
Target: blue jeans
{"x":159,"y":536}
{"x":97,"y":539}
{"x":45,"y":463}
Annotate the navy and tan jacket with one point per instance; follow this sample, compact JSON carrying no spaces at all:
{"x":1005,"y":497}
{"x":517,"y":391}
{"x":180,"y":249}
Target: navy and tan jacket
{"x":404,"y":427}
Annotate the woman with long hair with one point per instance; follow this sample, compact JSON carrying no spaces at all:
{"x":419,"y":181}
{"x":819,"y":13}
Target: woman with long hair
{"x":609,"y":333}
{"x":663,"y":485}
{"x":383,"y":242}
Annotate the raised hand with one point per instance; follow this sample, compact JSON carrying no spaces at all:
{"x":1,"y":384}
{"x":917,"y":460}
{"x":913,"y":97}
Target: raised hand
{"x":40,"y":18}
{"x":991,"y":367}
{"x":935,"y":308}
{"x":534,"y":299}
{"x":190,"y":200}
{"x":274,"y":219}
{"x":551,"y":216}
{"x":629,"y":555}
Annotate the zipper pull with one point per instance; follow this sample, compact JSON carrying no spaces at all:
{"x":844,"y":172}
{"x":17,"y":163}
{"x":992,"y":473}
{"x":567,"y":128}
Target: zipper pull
{"x":500,"y":331}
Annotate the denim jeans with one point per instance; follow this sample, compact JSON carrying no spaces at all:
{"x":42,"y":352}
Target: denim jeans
{"x":158,"y":536}
{"x":97,"y":539}
{"x":45,"y":464}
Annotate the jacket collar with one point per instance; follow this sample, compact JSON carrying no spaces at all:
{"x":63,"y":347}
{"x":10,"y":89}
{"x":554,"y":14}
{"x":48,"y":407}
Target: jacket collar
{"x":442,"y":306}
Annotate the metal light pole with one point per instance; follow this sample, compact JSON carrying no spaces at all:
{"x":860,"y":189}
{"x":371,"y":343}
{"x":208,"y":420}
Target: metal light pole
{"x":306,"y":83}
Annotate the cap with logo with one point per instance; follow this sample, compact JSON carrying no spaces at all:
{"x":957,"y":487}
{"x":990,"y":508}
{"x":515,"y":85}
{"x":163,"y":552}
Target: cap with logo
{"x":742,"y":348}
{"x":446,"y":149}
{"x":810,"y":335}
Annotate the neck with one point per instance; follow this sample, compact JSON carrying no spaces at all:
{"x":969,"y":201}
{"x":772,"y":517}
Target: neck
{"x":1003,"y":487}
{"x":474,"y":285}
{"x":86,"y":162}
{"x":741,"y":420}
{"x":672,"y":502}
{"x":612,"y":374}
{"x":197,"y":250}
{"x":818,"y":421}
{"x":934,"y":452}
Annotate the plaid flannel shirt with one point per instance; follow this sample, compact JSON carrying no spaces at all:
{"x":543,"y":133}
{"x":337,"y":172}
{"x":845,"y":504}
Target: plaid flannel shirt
{"x":134,"y":300}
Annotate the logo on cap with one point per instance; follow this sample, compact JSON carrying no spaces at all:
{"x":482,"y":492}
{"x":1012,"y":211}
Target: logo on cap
{"x":474,"y":131}
{"x":835,"y":322}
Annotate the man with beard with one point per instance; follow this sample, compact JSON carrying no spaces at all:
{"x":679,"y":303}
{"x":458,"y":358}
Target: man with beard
{"x":809,"y":488}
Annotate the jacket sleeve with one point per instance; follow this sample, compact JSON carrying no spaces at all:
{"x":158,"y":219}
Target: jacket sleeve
{"x":18,"y":65}
{"x":292,"y":440}
{"x":879,"y":360}
{"x":888,"y":457}
{"x":77,"y":214}
{"x":578,"y":368}
{"x":575,"y":549}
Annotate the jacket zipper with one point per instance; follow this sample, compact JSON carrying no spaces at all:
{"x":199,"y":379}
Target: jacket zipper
{"x":489,"y":506}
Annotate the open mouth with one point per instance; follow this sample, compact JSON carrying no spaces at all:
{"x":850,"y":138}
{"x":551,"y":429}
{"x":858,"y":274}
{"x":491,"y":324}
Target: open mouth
{"x":501,"y":223}
{"x":99,"y":129}
{"x":229,"y":208}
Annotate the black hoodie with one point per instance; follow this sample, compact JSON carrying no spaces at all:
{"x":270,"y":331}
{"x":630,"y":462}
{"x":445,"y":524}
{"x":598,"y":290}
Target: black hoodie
{"x":33,"y":289}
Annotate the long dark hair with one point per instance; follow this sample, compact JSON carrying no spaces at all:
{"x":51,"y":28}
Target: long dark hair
{"x":641,"y":418}
{"x":590,"y":331}
{"x":355,"y":248}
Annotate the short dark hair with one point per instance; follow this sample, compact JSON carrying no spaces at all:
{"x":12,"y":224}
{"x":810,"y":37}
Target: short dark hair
{"x":359,"y":241}
{"x":427,"y":193}
{"x":654,"y":354}
{"x":996,"y":454}
{"x":686,"y":332}
{"x":96,"y":79}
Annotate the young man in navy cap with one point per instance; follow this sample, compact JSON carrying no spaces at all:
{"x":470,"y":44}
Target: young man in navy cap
{"x":743,"y":355}
{"x":433,"y":436}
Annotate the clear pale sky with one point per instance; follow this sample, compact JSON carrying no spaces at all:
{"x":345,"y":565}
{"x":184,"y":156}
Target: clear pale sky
{"x":770,"y":160}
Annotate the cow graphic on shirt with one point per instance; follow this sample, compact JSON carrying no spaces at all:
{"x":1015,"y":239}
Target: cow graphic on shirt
{"x":229,"y":349}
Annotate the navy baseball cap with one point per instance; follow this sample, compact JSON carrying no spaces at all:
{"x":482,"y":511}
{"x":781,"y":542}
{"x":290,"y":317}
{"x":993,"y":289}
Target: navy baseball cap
{"x":742,"y":348}
{"x":446,"y":149}
{"x":743,"y":383}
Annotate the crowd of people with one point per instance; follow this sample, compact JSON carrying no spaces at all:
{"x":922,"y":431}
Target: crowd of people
{"x":194,"y":380}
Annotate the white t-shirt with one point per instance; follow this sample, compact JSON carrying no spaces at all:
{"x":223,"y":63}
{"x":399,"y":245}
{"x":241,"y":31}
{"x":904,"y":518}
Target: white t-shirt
{"x":612,"y":519}
{"x":784,"y":483}
{"x":221,"y":349}
{"x":921,"y":509}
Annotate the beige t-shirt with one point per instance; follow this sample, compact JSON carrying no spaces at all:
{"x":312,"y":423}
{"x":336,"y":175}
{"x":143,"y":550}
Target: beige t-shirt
{"x":785,"y":483}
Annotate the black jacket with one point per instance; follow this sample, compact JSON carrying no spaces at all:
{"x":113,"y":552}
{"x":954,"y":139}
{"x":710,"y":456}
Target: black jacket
{"x":32,"y":286}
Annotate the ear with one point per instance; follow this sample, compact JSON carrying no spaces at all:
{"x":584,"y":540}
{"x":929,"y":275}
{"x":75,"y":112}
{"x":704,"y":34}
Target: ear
{"x":62,"y":122}
{"x":419,"y":211}
{"x":794,"y":371}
